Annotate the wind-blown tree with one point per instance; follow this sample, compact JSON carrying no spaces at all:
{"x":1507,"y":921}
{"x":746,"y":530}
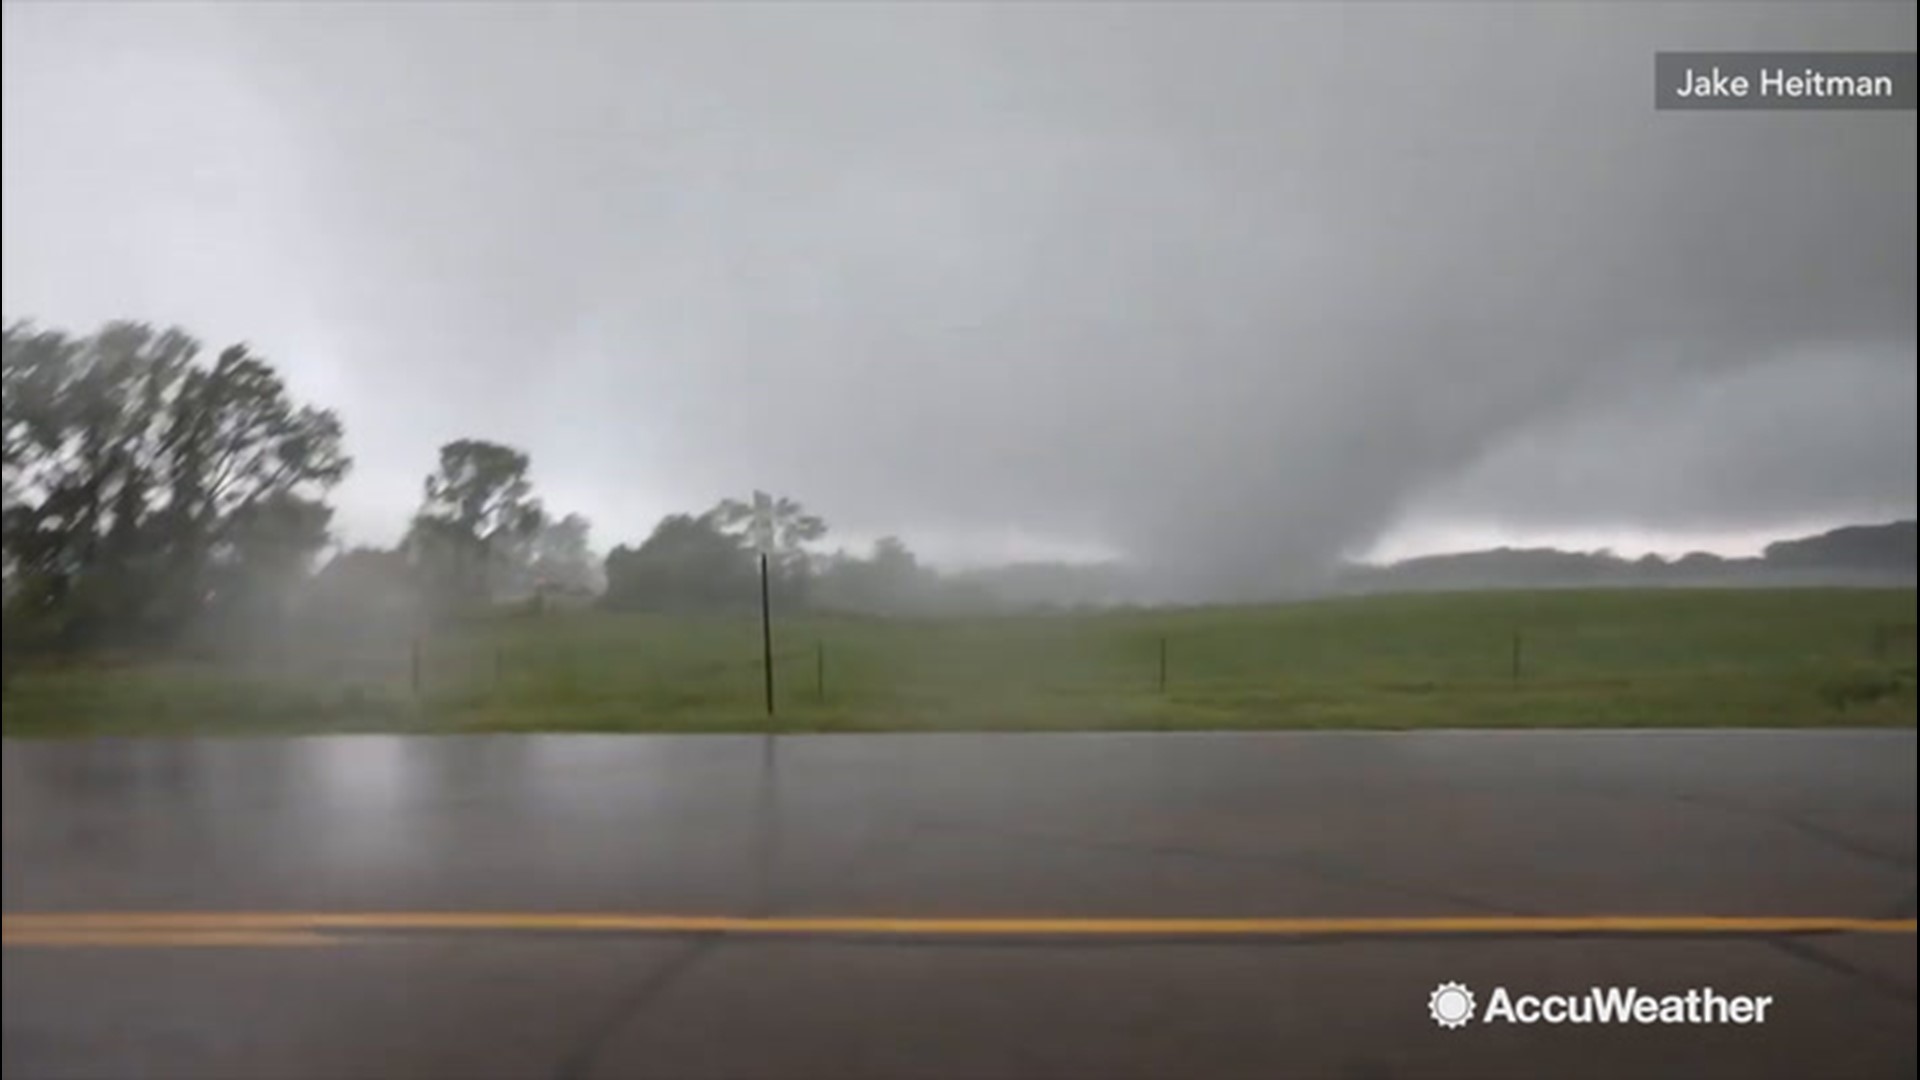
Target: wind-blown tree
{"x":245,"y":464}
{"x":365,"y":595}
{"x":84,"y":449}
{"x":477,"y":521}
{"x":129,"y":471}
{"x":890,"y":581}
{"x":688,"y":563}
{"x":563,"y":557}
{"x":897,"y":576}
{"x":779,"y":527}
{"x":265,"y":549}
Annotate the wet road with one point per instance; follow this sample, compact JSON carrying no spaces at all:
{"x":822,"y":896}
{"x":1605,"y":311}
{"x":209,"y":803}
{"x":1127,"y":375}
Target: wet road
{"x":1342,"y":831}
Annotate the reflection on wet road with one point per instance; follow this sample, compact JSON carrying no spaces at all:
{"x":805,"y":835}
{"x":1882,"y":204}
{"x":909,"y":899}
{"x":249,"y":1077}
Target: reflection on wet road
{"x":1285,"y":892}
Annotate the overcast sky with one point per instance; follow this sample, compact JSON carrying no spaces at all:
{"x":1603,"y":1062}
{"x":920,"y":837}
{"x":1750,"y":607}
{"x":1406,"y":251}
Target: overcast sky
{"x":1234,"y":289}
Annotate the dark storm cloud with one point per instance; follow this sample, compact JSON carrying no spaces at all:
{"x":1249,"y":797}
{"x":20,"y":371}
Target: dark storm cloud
{"x":1230,"y":288}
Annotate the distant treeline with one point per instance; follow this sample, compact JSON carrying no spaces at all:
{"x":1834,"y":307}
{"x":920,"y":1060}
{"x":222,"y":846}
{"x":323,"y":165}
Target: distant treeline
{"x":1854,"y":555}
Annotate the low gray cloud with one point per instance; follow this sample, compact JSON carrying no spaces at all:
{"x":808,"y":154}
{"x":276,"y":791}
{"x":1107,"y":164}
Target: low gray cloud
{"x":1818,"y":436}
{"x":1229,"y":288}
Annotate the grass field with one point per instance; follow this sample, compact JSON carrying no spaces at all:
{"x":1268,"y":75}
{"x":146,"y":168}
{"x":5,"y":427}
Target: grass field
{"x":1709,"y":658}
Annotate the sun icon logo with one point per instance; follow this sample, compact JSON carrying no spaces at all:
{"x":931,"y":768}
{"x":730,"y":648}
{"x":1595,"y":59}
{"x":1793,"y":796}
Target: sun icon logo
{"x":1451,"y":1005}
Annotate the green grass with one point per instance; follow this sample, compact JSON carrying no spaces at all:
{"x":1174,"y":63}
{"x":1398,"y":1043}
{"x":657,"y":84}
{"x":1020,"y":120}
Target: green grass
{"x":1657,"y":658}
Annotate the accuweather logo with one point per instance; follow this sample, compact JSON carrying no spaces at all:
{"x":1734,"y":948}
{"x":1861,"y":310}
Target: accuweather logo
{"x":1452,"y":1005}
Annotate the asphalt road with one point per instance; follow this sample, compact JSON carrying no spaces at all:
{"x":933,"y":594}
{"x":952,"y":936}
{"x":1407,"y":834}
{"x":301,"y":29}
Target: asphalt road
{"x":375,"y":907}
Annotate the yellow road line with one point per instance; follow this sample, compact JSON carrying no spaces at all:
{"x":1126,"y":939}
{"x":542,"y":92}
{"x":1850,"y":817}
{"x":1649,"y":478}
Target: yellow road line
{"x":164,"y":939}
{"x":290,"y":921}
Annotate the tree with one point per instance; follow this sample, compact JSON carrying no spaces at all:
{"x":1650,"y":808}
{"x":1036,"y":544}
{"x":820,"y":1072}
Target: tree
{"x":889,"y":582}
{"x":265,"y":549}
{"x":246,"y":468}
{"x":563,"y":556}
{"x":84,"y":425}
{"x":365,"y":592}
{"x":34,"y":420}
{"x":128,"y":469}
{"x":780,"y":528}
{"x":477,"y":521}
{"x":891,"y":557}
{"x":777,"y":526}
{"x":688,"y":563}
